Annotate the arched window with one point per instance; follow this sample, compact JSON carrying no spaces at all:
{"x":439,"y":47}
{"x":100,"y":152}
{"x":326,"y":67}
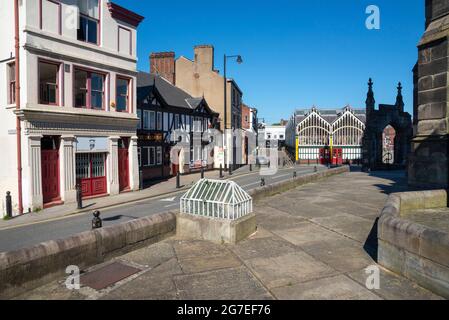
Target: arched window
{"x":348,"y":130}
{"x":314,"y":130}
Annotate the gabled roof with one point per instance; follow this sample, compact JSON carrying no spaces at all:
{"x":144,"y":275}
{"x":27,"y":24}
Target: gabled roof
{"x":172,"y":95}
{"x":330,"y":115}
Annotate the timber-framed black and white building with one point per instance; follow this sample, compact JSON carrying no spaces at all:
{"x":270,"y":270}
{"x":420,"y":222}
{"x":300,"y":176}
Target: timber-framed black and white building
{"x":163,"y":109}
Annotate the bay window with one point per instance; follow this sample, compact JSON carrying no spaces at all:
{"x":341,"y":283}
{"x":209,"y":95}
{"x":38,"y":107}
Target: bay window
{"x":122,"y":92}
{"x":89,"y":21}
{"x":48,"y":83}
{"x":89,"y":90}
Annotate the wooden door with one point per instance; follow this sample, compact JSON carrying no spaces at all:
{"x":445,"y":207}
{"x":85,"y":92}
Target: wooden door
{"x":50,"y":175}
{"x":123,"y":168}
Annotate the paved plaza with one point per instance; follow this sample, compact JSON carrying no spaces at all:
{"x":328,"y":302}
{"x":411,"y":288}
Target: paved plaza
{"x":313,"y":242}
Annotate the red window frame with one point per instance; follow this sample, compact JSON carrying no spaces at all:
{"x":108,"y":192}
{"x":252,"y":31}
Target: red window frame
{"x":58,"y":88}
{"x":98,"y":25}
{"x":89,"y":87}
{"x":130,"y":39}
{"x":12,"y":83}
{"x":128,"y":96}
{"x":59,"y":14}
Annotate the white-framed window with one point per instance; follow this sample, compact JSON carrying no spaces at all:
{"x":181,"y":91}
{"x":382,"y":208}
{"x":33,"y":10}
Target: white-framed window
{"x":12,"y":83}
{"x":152,"y":120}
{"x":159,"y":155}
{"x":146,"y":118}
{"x":159,"y":121}
{"x":170,"y":122}
{"x":139,"y":115}
{"x":183,"y":120}
{"x":176,"y":121}
{"x":152,"y":156}
{"x":166,"y":127}
{"x":148,"y":156}
{"x":188,"y":123}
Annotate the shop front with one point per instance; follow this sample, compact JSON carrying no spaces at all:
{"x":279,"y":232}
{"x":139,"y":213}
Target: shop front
{"x":91,"y":168}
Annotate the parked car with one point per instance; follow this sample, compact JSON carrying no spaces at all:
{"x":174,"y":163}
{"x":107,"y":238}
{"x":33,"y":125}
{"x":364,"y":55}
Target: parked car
{"x":262,"y":161}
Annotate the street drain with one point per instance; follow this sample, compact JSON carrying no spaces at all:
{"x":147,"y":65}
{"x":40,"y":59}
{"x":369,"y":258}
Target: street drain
{"x":107,"y":275}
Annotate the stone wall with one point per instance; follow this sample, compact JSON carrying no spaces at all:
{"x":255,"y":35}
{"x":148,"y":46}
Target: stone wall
{"x":429,"y":160}
{"x":29,"y":268}
{"x":412,"y":250}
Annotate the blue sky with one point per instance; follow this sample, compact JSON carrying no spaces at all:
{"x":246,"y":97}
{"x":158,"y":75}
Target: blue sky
{"x":296,"y":53}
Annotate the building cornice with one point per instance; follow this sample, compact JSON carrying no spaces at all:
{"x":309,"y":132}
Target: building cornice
{"x":62,"y":115}
{"x":125,"y":15}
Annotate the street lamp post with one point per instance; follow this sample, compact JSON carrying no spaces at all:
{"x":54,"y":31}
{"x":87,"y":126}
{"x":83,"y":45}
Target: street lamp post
{"x":239,"y":60}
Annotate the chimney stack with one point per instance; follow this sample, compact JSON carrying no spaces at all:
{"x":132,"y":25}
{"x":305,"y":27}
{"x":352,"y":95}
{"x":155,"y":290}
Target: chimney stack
{"x":163,"y":63}
{"x":204,"y":57}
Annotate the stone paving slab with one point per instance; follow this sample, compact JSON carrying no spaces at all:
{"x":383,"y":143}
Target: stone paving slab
{"x":340,"y":287}
{"x":288,"y":269}
{"x":303,"y":249}
{"x":226,"y":284}
{"x":394,"y":287}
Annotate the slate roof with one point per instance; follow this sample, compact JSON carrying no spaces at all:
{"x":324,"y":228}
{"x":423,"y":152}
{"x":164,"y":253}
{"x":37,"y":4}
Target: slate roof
{"x":330,"y":115}
{"x":172,"y":95}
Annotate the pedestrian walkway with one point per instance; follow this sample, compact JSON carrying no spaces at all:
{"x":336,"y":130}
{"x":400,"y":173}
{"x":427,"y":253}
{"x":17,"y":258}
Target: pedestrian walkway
{"x":161,"y":188}
{"x":313,"y":242}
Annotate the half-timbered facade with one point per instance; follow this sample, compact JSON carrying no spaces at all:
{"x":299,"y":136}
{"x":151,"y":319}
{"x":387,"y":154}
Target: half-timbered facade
{"x":163,"y":109}
{"x":314,"y":134}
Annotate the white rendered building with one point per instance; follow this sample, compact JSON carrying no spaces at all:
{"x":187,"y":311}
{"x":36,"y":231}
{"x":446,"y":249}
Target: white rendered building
{"x":77,"y":101}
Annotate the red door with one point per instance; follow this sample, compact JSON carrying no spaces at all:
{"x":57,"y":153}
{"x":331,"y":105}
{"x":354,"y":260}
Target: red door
{"x":50,"y":175}
{"x":337,"y":157}
{"x":123,"y":168}
{"x":91,"y":173}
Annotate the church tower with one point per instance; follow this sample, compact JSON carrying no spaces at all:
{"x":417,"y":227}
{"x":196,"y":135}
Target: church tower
{"x":428,"y":165}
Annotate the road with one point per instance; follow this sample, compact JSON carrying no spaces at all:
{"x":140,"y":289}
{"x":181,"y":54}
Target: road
{"x":25,"y":236}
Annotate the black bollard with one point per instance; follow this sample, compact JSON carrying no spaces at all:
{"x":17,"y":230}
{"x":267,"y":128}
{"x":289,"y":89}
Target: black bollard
{"x":202,"y":172}
{"x":96,"y":221}
{"x":295,"y":175}
{"x":250,"y":167}
{"x":8,"y":205}
{"x":178,"y":180}
{"x":221,"y":171}
{"x":79,"y":196}
{"x":141,"y":180}
{"x":230,"y":169}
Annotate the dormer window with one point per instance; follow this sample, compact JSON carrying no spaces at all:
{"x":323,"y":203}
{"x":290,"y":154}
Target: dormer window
{"x":89,"y":21}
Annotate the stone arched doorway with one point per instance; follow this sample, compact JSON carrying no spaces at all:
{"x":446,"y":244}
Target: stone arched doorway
{"x":389,"y":141}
